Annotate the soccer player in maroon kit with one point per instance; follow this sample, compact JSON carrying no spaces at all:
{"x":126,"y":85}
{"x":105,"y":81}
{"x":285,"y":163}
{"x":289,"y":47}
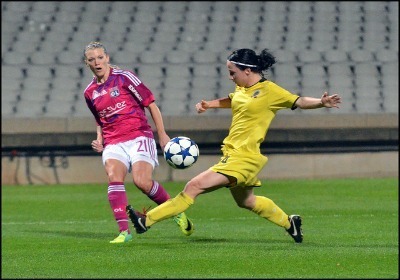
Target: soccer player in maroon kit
{"x":117,"y":99}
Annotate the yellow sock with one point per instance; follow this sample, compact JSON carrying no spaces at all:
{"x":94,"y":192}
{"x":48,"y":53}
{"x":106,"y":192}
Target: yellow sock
{"x":267,"y":209}
{"x":169,"y":208}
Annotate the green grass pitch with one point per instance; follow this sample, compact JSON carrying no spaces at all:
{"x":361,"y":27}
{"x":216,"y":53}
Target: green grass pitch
{"x":63,"y":231}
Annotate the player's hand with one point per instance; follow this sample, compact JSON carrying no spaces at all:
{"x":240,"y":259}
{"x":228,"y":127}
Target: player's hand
{"x":163,"y":139}
{"x":202,"y":106}
{"x":97,"y":146}
{"x":330,"y":101}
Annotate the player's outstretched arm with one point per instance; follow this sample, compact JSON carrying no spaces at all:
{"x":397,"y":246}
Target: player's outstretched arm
{"x":327,"y":101}
{"x":202,"y":106}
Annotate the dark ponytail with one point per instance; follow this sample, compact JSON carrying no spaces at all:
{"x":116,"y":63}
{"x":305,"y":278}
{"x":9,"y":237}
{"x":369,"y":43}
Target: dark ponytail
{"x":247,"y":58}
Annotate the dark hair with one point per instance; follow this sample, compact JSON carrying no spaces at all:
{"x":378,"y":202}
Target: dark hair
{"x":247,"y":58}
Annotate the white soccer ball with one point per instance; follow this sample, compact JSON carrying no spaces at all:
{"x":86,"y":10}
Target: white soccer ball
{"x":181,"y":152}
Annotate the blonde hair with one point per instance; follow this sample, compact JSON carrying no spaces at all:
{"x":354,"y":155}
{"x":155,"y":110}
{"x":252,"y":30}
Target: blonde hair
{"x":94,"y":45}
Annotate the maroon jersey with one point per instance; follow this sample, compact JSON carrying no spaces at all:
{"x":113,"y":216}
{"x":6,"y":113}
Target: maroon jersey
{"x":118,"y":106}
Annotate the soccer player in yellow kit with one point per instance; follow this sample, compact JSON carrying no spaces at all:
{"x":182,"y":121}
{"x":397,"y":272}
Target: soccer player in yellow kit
{"x":254,"y":104}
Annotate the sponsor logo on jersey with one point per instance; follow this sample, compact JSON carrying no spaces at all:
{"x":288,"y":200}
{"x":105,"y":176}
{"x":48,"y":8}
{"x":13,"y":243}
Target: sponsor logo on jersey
{"x":112,"y":110}
{"x":134,"y":91}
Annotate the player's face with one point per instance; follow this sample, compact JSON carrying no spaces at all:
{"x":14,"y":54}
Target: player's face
{"x":98,"y":61}
{"x":235,"y":74}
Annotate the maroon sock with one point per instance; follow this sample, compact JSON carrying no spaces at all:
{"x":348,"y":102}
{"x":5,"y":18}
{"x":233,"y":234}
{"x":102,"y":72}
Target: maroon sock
{"x":118,"y":201}
{"x":158,"y":194}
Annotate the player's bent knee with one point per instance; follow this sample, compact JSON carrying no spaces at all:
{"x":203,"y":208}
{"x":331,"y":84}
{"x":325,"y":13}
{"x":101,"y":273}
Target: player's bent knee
{"x":143,"y":185}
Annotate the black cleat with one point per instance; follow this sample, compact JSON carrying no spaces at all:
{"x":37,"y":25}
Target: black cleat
{"x":295,"y":230}
{"x":138,"y":219}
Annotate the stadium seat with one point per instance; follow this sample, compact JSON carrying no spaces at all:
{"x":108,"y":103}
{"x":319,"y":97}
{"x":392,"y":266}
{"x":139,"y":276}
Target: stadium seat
{"x":174,"y":107}
{"x":93,"y":17}
{"x":153,"y":83}
{"x":55,"y":108}
{"x":25,"y":46}
{"x":94,"y":7}
{"x":205,"y":57}
{"x":71,"y":57}
{"x":390,"y":76}
{"x":68,"y":72}
{"x":63,"y":89}
{"x":340,"y":74}
{"x":11,"y":71}
{"x":42,"y":6}
{"x":29,"y":108}
{"x":135,"y":46}
{"x":178,"y":71}
{"x":35,"y":83}
{"x":287,"y":75}
{"x":368,"y":104}
{"x":42,"y":18}
{"x":197,"y":94}
{"x":80,"y":109}
{"x":120,"y":18}
{"x":284,"y":56}
{"x":172,"y":82}
{"x":128,"y":56}
{"x":172,"y":18}
{"x":178,"y":57}
{"x":51,"y":47}
{"x":205,"y":83}
{"x":112,"y":38}
{"x":245,"y":38}
{"x":8,"y":109}
{"x":39,"y":72}
{"x":206,"y":70}
{"x":224,"y":88}
{"x":87,"y":27}
{"x":314,"y":80}
{"x":391,"y":100}
{"x":386,"y":55}
{"x":150,"y":36}
{"x":358,"y":55}
{"x":309,"y":56}
{"x":11,"y":94}
{"x":146,"y":18}
{"x":123,"y":7}
{"x":151,"y":70}
{"x":69,"y":17}
{"x":334,"y":56}
{"x":150,"y":57}
{"x":43,"y":58}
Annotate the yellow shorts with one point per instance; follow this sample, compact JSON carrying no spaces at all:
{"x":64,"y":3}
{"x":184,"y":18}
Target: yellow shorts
{"x":241,"y":164}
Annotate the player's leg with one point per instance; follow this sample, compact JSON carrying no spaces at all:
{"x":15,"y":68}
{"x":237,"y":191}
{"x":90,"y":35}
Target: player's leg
{"x":116,"y":172}
{"x":204,"y":182}
{"x":144,"y":159}
{"x":142,"y":173}
{"x":266,"y":208}
{"x":142,"y":153}
{"x":262,"y":206}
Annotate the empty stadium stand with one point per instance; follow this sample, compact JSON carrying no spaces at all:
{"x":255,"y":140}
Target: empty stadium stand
{"x":179,"y":50}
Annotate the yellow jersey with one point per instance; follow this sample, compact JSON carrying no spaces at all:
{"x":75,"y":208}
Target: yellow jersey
{"x":253,"y":109}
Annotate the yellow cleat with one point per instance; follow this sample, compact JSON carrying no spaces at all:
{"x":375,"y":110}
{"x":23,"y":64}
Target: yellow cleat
{"x":184,"y":223}
{"x":124,"y":236}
